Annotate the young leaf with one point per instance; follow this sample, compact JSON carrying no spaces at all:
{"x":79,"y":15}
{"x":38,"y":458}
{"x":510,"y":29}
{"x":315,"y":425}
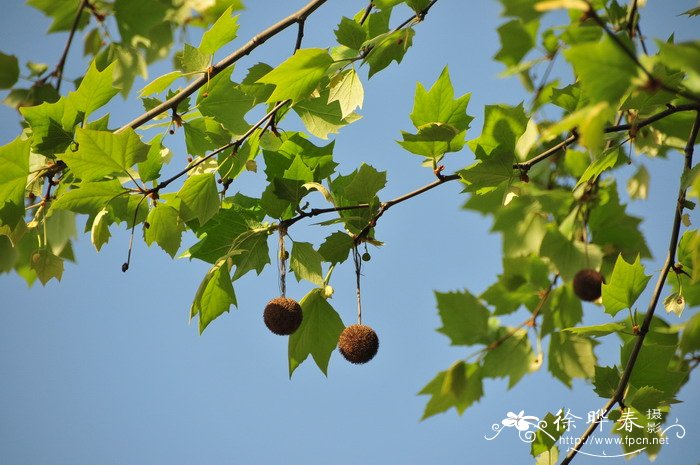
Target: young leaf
{"x":318,"y":334}
{"x":674,"y":303}
{"x":597,"y":330}
{"x":306,"y":263}
{"x":298,"y":76}
{"x":626,"y":283}
{"x":221,"y":33}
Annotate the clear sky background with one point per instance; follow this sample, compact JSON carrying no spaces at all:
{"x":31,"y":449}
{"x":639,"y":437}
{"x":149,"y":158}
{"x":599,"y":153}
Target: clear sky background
{"x":103,"y":367}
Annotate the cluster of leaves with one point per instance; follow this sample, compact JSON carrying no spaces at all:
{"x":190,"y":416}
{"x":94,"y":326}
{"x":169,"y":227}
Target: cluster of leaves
{"x":545,"y":183}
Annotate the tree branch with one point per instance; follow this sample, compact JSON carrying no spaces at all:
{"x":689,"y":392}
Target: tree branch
{"x":618,"y":396}
{"x":246,"y":49}
{"x":526,"y":165}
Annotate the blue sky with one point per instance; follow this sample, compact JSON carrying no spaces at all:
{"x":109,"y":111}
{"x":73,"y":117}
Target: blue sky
{"x":103,"y":367}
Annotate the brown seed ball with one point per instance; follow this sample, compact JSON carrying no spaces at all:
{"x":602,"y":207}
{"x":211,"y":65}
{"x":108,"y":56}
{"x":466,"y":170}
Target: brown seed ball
{"x":358,"y":343}
{"x":282,"y":316}
{"x":588,"y":284}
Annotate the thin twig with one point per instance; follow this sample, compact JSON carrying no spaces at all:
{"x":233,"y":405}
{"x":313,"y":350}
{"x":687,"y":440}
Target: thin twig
{"x":237,"y":143}
{"x":366,"y":13}
{"x":217,"y":68}
{"x":618,"y":396}
{"x":58,"y":72}
{"x":632,"y":56}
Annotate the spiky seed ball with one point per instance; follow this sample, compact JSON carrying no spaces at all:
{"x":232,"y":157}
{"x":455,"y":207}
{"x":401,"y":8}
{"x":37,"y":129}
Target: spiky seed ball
{"x":358,"y":343}
{"x":282,"y":315}
{"x":588,"y":284}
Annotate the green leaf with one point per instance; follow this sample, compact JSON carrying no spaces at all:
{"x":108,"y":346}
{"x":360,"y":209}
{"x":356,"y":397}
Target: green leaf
{"x":90,"y":197}
{"x":14,"y":159}
{"x":638,"y":184}
{"x":104,"y":153}
{"x":52,"y":126}
{"x":204,"y":134}
{"x":95,"y":89}
{"x":612,"y":228}
{"x":63,"y":13}
{"x":318,"y":334}
{"x":455,"y":380}
{"x":200,"y":196}
{"x":683,"y":56}
{"x":605,"y":161}
{"x":164,"y":228}
{"x":350,"y":33}
{"x":439,"y":105}
{"x":191,"y":60}
{"x":464,"y":318}
{"x":214,"y":296}
{"x":512,"y":357}
{"x":653,"y":368}
{"x":597,"y":330}
{"x":588,"y":59}
{"x":606,"y":381}
{"x":306,"y":263}
{"x":255,"y":252}
{"x":571,"y":356}
{"x":568,"y":256}
{"x":46,"y":265}
{"x":365,"y":184}
{"x":336,"y":247}
{"x":503,"y":126}
{"x":485,"y":176}
{"x":690,"y":339}
{"x":626,"y":284}
{"x":250,"y":85}
{"x":223,"y":31}
{"x":9,"y":71}
{"x":442,"y":400}
{"x":225,"y":102}
{"x":149,"y":170}
{"x":547,"y":435}
{"x":298,"y":76}
{"x":138,"y":18}
{"x":645,"y":398}
{"x":160,"y":83}
{"x":517,"y":39}
{"x":130,"y":63}
{"x":322,"y":116}
{"x":524,"y":9}
{"x":228,"y":230}
{"x":388,"y":47}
